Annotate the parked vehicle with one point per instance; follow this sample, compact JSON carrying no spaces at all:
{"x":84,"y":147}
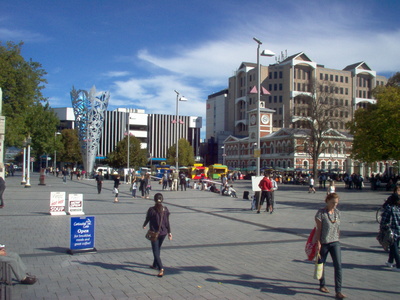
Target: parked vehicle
{"x":198,"y":171}
{"x":216,"y":170}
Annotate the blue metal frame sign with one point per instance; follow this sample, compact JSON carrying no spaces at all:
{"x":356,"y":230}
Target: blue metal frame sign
{"x":82,"y":233}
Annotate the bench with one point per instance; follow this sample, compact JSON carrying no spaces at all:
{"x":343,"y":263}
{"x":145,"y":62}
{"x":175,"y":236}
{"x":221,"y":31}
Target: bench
{"x":5,"y":280}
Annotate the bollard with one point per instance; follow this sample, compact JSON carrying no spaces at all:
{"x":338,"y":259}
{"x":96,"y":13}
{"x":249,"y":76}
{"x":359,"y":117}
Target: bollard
{"x":246,"y":195}
{"x":42,"y":177}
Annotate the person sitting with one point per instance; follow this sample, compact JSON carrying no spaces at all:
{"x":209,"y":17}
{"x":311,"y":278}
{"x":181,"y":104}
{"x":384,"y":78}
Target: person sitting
{"x":232,"y":192}
{"x":214,"y":189}
{"x":17,"y":265}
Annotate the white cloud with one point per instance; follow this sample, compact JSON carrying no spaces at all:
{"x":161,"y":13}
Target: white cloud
{"x":156,"y":95}
{"x":116,"y":74}
{"x":21,"y":35}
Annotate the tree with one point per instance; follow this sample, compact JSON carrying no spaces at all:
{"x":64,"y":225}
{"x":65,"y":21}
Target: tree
{"x":316,"y":112}
{"x":185,"y":151}
{"x":119,"y":157}
{"x":71,"y":151}
{"x":22,"y":82}
{"x":376,"y":128}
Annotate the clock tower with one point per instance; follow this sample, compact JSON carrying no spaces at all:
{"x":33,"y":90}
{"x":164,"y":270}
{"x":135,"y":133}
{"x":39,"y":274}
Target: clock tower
{"x":265,"y":121}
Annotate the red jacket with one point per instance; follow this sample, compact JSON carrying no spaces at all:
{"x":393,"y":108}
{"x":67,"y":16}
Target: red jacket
{"x":265,"y":184}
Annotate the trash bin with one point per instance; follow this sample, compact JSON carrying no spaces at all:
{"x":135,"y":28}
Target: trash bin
{"x":246,"y":195}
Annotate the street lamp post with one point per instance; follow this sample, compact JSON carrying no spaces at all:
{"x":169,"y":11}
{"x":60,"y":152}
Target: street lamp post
{"x":264,"y":53}
{"x":223,"y":155}
{"x":23,"y":182}
{"x":28,"y":171}
{"x":176,"y":126}
{"x":55,"y":150}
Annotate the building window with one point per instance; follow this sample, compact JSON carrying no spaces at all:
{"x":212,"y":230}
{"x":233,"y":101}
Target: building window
{"x":346,"y":79}
{"x":275,"y":75}
{"x":331,"y":78}
{"x":321,"y":76}
{"x":346,"y":91}
{"x":341,"y":78}
{"x":336,"y":78}
{"x":275,"y":99}
{"x":275,"y":87}
{"x":280,"y":87}
{"x":326,"y":77}
{"x":280,"y":99}
{"x":280,"y":74}
{"x":270,"y":87}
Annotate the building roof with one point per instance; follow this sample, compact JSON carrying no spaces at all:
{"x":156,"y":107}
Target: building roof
{"x":358,"y":65}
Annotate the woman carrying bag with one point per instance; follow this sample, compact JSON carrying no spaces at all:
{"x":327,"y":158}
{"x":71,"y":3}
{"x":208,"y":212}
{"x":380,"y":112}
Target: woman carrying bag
{"x":158,"y":216}
{"x":391,"y":218}
{"x":327,"y":240}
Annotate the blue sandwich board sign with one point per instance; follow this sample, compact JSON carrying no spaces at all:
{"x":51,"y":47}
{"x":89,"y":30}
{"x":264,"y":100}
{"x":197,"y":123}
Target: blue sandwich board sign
{"x":82,"y":234}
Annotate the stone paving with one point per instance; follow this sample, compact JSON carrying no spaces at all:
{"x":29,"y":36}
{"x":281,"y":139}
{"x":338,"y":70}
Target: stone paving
{"x":220,"y":248}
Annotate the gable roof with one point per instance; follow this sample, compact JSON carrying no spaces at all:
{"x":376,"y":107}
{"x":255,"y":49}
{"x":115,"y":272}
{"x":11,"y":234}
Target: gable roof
{"x":360,"y":65}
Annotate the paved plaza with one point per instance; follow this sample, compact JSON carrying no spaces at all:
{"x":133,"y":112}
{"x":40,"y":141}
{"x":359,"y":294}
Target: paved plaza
{"x":220,"y":248}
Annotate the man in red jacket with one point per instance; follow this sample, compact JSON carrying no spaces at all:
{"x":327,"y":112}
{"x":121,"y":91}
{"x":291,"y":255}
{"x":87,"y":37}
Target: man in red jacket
{"x":266,"y":187}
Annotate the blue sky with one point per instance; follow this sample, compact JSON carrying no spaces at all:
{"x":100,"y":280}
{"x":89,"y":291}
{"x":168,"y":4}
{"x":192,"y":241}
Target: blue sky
{"x":141,"y":51}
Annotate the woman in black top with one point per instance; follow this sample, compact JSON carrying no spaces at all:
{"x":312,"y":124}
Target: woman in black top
{"x":154,"y":215}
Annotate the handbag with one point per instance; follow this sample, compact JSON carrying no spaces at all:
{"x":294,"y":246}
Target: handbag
{"x":385,"y":237}
{"x":153,"y":235}
{"x":311,"y":246}
{"x":319,"y":268}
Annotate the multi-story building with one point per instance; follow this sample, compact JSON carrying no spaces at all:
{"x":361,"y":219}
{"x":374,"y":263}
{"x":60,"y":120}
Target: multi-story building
{"x":283,"y":87}
{"x":156,"y":132}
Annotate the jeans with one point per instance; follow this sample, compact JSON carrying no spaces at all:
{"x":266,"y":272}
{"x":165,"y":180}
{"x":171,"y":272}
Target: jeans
{"x":394,"y":253}
{"x":334,"y":250}
{"x":156,"y":247}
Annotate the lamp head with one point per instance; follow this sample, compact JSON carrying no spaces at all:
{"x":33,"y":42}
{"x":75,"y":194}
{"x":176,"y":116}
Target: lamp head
{"x":267,"y":53}
{"x":257,"y":40}
{"x":183,"y":98}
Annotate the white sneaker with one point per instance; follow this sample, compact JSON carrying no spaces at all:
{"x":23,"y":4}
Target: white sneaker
{"x":396,"y":269}
{"x":390,"y":265}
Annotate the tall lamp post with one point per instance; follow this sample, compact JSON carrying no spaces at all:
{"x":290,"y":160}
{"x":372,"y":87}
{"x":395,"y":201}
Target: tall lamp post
{"x":55,"y":150}
{"x":264,"y":53}
{"x":28,"y":171}
{"x":23,"y":182}
{"x":177,"y":126}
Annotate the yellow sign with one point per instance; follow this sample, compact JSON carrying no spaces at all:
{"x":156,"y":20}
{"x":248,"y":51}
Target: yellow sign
{"x":257,"y":152}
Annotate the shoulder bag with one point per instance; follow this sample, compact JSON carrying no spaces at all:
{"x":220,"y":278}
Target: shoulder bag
{"x":153,"y":235}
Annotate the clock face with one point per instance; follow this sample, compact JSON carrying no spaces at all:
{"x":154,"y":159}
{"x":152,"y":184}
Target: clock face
{"x":253,"y":119}
{"x":265,"y":119}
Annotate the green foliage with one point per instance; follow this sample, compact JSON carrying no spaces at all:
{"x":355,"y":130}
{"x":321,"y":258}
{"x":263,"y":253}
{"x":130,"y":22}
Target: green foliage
{"x":119,"y":157}
{"x":70,"y":151}
{"x":25,"y":108}
{"x":376,"y":128}
{"x":185,"y":151}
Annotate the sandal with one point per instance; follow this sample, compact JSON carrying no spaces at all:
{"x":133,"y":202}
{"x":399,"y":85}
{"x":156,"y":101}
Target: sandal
{"x":340,"y":296}
{"x":161,"y":274}
{"x":324,"y":289}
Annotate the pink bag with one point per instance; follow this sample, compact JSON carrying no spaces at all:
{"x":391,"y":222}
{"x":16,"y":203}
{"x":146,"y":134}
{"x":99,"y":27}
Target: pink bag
{"x":311,"y":248}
